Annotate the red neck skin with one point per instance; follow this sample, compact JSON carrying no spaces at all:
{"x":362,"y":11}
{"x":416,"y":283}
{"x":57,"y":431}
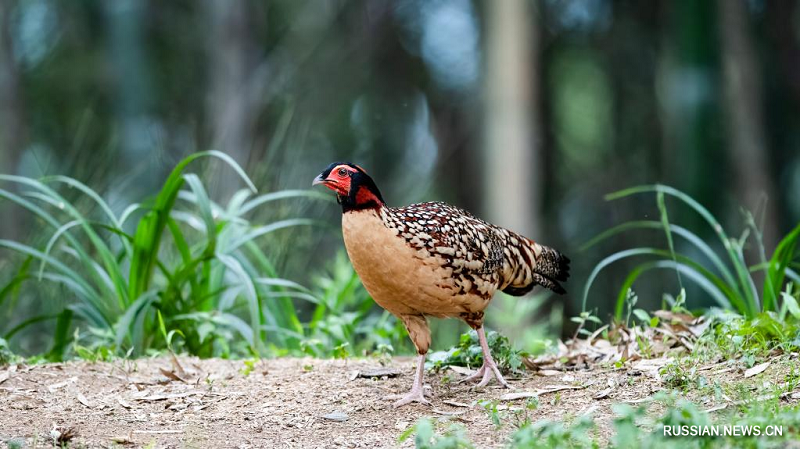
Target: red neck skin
{"x":363,"y":199}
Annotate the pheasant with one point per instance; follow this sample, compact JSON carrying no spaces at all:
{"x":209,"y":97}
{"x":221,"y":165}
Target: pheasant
{"x":435,"y":260}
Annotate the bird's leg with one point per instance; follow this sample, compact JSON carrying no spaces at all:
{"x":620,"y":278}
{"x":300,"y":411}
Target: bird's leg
{"x":417,"y":393}
{"x":489,"y":367}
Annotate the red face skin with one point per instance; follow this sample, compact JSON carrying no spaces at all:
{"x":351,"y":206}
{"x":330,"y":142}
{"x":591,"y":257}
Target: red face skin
{"x":338,"y":180}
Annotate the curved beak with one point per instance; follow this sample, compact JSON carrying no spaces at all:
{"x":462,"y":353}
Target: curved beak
{"x":318,"y":180}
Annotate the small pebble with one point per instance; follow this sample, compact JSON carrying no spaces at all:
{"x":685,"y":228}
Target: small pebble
{"x":336,"y":416}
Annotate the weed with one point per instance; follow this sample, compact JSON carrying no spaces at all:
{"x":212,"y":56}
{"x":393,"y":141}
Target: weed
{"x":15,"y":443}
{"x":383,"y":353}
{"x":681,"y":374}
{"x":425,"y":436}
{"x":469,"y":353}
{"x":190,"y":261}
{"x":491,"y":409}
{"x":249,"y":367}
{"x":730,"y":284}
{"x":6,"y":356}
{"x":552,"y":434}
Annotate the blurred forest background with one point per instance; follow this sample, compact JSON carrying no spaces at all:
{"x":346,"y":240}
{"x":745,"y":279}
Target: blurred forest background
{"x":524,"y":112}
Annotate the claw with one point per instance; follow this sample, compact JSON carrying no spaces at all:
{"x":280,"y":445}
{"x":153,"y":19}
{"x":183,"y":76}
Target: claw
{"x":489,"y":368}
{"x":415,"y":395}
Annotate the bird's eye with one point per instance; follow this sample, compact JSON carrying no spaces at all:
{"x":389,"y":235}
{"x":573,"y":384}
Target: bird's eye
{"x":342,"y":172}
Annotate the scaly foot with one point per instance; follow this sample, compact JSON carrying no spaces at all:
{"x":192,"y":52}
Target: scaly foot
{"x":415,"y":395}
{"x":488,"y":368}
{"x":485,"y":373}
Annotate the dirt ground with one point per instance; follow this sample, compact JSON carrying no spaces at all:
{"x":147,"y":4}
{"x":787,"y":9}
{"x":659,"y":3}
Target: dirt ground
{"x":286,"y":403}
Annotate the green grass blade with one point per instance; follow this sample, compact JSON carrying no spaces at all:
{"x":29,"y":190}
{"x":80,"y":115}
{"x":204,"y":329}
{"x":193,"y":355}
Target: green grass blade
{"x":277,"y":282}
{"x":62,"y":229}
{"x":52,"y":197}
{"x":33,"y":320}
{"x":296,"y":295}
{"x":283,"y":194}
{"x":709,"y":286}
{"x":662,"y":210}
{"x":250,"y":296}
{"x":234,"y":322}
{"x":125,"y":325}
{"x":84,"y":289}
{"x":738,"y":263}
{"x":682,"y":261}
{"x":115,"y":223}
{"x":126,"y":214}
{"x":678,"y":230}
{"x":272,"y":227}
{"x":149,"y":232}
{"x":61,"y":336}
{"x":784,"y":254}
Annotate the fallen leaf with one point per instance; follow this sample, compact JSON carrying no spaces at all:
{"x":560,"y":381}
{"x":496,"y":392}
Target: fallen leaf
{"x":177,"y":367}
{"x":125,"y":441}
{"x":455,"y":413}
{"x":549,"y":372}
{"x":519,"y":395}
{"x":603,"y":394}
{"x":7,"y":374}
{"x":758,"y":369}
{"x":52,"y":388}
{"x":379,"y":372}
{"x":161,"y":397}
{"x":172,"y":375}
{"x":82,"y":399}
{"x":336,"y":416}
{"x":461,"y":370}
{"x":529,"y":394}
{"x":456,"y":404}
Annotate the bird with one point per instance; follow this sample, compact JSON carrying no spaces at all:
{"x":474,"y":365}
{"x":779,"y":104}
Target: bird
{"x":435,"y":260}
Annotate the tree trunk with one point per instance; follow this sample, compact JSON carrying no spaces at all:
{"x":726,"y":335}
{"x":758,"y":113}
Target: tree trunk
{"x":12,"y":123}
{"x":743,"y":105}
{"x":512,"y":174}
{"x":231,"y":104}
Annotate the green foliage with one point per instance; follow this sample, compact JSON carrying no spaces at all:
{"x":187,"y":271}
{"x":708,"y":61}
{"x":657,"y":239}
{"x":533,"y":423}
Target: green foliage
{"x":15,"y":443}
{"x":729,"y":283}
{"x":6,"y":356}
{"x":468,"y":353}
{"x":425,"y":436}
{"x":640,"y":427}
{"x":680,"y":374}
{"x":191,"y":269}
{"x":733,"y":337}
{"x":554,"y":434}
{"x":344,"y":319}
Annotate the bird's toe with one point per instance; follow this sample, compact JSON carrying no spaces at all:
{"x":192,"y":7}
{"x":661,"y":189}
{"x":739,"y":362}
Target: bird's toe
{"x":413,"y":396}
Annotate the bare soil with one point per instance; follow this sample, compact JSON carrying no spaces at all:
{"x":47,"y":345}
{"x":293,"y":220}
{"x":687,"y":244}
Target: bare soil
{"x":286,"y":403}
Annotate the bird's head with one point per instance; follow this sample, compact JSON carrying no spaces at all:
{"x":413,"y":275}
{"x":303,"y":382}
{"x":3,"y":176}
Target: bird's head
{"x":355,"y":190}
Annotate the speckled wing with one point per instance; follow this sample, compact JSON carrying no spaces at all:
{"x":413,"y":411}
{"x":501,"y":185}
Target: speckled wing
{"x":470,"y":250}
{"x":483,"y":257}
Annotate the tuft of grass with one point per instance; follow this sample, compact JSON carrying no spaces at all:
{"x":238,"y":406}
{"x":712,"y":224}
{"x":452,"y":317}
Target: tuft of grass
{"x":190,"y":269}
{"x":728,"y":279}
{"x":344,"y":319}
{"x":641,"y":426}
{"x":468,"y":353}
{"x":6,"y":356}
{"x":426,"y":437}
